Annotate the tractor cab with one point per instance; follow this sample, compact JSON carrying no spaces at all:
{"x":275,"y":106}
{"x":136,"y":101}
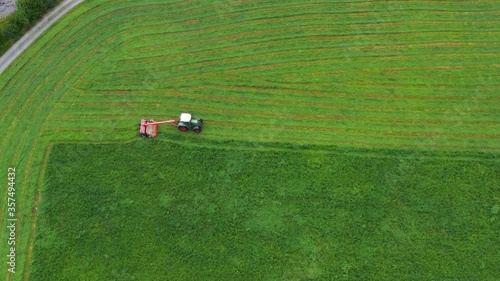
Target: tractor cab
{"x":187,"y":123}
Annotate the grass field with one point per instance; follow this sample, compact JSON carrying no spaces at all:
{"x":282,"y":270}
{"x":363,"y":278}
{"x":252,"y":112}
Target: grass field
{"x":413,"y":75}
{"x":175,"y":210}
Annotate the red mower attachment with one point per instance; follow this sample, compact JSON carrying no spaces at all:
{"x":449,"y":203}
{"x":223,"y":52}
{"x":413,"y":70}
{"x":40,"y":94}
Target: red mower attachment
{"x":149,"y":128}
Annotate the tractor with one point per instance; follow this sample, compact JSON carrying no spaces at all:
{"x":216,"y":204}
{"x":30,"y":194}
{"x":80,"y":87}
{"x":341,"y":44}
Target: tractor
{"x":149,"y":128}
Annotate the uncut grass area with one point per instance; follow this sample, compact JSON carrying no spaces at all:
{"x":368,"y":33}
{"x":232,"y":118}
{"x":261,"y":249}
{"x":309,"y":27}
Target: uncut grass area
{"x":160,"y":210}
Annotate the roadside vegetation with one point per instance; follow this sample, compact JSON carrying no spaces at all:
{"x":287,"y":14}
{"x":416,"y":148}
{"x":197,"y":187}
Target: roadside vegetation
{"x":26,"y":16}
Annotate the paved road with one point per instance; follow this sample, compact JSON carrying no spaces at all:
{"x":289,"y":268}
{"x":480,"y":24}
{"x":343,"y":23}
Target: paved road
{"x":20,"y":46}
{"x":7,"y":7}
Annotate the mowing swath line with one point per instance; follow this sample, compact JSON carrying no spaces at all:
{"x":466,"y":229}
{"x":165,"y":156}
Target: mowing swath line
{"x":299,"y":48}
{"x":360,"y":132}
{"x":422,"y":85}
{"x":254,"y":37}
{"x":34,"y":214}
{"x":20,"y":144}
{"x":302,"y":48}
{"x":88,"y":27}
{"x":266,"y":113}
{"x":260,"y":32}
{"x":302,"y":17}
{"x":87,"y":118}
{"x":34,"y":58}
{"x":350,"y":59}
{"x":72,"y":130}
{"x":378,"y":143}
{"x":31,"y":158}
{"x":334,"y":25}
{"x":76,"y":116}
{"x":44,"y":123}
{"x":162,"y":34}
{"x":84,"y":116}
{"x":313,"y":104}
{"x":142,"y":31}
{"x":192,"y":11}
{"x":302,"y":94}
{"x":32,"y":155}
{"x":362,"y":144}
{"x":14,"y":80}
{"x":283,"y":91}
{"x":304,"y":27}
{"x":365,"y":144}
{"x":285,"y":75}
{"x":25,"y":106}
{"x":297,"y":61}
{"x":298,"y":92}
{"x":101,"y":104}
{"x":36,"y":143}
{"x":402,"y":69}
{"x":258,"y":11}
{"x":307,"y":141}
{"x":288,"y":88}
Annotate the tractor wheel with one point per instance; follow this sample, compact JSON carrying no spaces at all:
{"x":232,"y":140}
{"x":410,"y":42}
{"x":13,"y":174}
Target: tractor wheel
{"x":196,"y":129}
{"x":183,"y":128}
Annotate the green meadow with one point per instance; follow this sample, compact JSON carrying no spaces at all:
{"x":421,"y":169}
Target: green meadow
{"x":179,"y":210}
{"x":393,"y":106}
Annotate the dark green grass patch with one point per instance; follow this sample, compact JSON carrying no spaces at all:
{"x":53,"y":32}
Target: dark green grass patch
{"x":162,"y":210}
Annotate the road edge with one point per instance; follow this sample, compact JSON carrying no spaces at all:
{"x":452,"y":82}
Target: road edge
{"x":22,"y":44}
